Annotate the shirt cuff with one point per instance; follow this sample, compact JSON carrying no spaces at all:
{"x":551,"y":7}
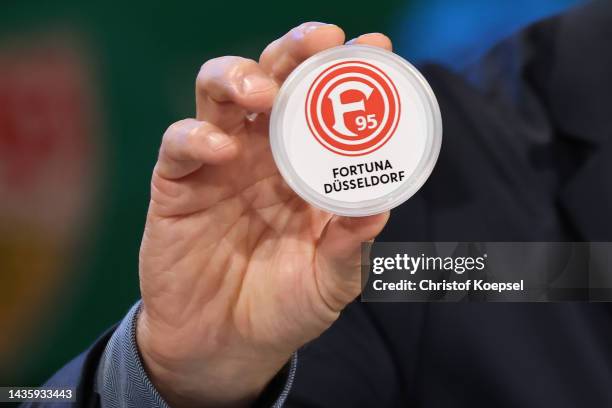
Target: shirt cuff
{"x":121,"y":380}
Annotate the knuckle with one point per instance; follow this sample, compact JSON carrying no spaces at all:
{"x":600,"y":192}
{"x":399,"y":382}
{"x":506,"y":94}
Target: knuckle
{"x":208,"y":70}
{"x":222,"y":66}
{"x":223,"y":74}
{"x":172,"y":130}
{"x":205,"y":70}
{"x":192,"y":135}
{"x":211,"y":63}
{"x":267,"y":54}
{"x":173,"y":133}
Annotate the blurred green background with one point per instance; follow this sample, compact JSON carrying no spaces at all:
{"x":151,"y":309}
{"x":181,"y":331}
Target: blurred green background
{"x":86,"y":91}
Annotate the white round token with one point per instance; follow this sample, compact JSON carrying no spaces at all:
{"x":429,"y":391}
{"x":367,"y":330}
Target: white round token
{"x":355,"y":130}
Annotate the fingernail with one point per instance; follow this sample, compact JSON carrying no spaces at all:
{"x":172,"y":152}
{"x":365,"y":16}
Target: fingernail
{"x":217,"y":141}
{"x":349,"y":42}
{"x":256,"y":83}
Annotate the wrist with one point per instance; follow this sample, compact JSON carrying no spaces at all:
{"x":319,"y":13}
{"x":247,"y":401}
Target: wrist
{"x":224,"y":377}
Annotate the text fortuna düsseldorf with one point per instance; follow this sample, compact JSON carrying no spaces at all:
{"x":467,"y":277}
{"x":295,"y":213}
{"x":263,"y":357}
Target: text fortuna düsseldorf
{"x":343,"y":179}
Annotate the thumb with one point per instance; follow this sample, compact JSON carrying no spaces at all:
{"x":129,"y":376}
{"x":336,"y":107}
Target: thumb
{"x":339,"y":256}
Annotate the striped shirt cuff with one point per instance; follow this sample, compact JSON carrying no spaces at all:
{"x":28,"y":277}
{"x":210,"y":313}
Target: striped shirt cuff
{"x":121,"y":380}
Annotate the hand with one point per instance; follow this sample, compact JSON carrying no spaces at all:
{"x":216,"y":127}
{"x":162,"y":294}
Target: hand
{"x":236,"y":271}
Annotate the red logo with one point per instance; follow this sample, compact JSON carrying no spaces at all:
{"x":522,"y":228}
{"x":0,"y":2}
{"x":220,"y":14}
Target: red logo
{"x":352,"y":108}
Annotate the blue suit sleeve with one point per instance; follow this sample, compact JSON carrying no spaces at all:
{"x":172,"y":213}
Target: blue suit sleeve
{"x":121,"y":380}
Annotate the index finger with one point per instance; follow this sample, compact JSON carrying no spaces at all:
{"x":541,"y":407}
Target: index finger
{"x":283,"y":55}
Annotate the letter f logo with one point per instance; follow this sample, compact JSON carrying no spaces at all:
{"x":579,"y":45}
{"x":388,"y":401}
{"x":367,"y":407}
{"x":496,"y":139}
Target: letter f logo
{"x":352,"y":108}
{"x":340,"y":108}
